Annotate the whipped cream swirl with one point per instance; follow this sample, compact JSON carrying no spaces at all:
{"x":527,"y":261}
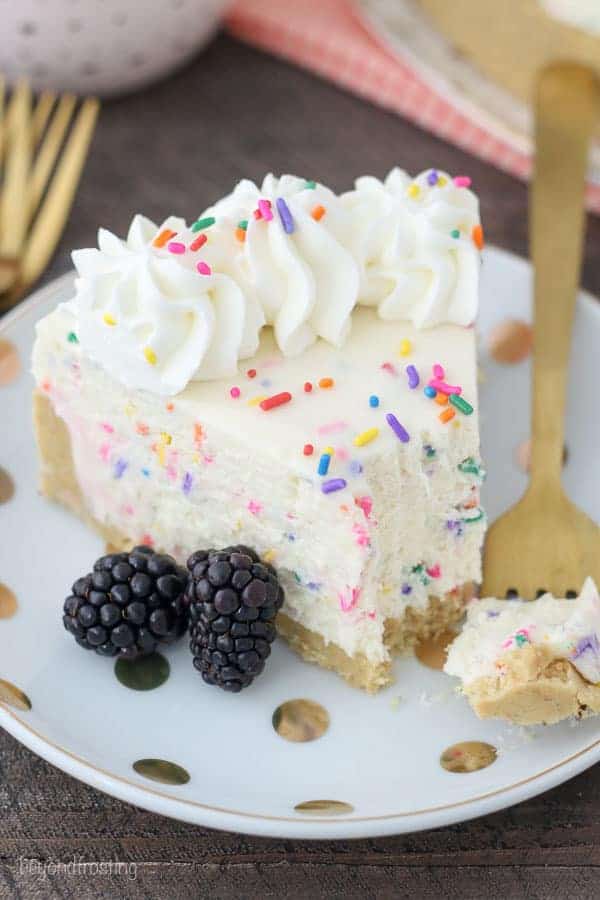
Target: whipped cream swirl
{"x":174,"y":304}
{"x":413,"y":240}
{"x":293,"y":262}
{"x":151,"y":320}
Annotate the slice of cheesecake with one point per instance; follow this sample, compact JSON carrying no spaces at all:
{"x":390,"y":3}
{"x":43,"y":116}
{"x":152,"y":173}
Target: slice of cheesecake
{"x":340,"y":441}
{"x":531,"y":662}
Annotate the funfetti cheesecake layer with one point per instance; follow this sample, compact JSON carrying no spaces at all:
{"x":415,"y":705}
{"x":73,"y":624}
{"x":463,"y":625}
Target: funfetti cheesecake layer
{"x":341,"y":442}
{"x":531,"y":662}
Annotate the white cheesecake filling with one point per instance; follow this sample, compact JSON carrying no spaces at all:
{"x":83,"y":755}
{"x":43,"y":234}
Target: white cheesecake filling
{"x":570,"y":629}
{"x":395,"y":519}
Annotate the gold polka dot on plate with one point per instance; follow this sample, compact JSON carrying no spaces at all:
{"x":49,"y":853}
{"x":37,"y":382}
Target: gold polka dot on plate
{"x":324,"y":807}
{"x":523,"y":455}
{"x":143,"y":674}
{"x":13,"y":696}
{"x":510,"y":341}
{"x":8,"y":602}
{"x":161,"y":770}
{"x":10,"y":365}
{"x":7,"y":486}
{"x":432,"y":652}
{"x":300,"y":720}
{"x":468,"y":756}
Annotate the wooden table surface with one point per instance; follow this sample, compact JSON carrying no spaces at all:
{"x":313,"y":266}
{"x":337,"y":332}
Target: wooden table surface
{"x":175,"y":148}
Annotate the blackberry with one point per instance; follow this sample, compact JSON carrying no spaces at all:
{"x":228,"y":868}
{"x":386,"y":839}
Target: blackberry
{"x":233,"y":598}
{"x":129,"y":605}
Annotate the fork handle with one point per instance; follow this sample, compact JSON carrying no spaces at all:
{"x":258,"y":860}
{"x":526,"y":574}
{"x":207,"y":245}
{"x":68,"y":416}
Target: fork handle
{"x":567,"y":104}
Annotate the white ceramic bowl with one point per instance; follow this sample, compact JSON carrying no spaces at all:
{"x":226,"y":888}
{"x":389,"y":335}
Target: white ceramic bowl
{"x":102,"y":46}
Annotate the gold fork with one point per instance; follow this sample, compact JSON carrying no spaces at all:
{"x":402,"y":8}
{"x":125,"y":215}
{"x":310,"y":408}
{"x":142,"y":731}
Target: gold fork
{"x":545,"y":542}
{"x":42,"y":168}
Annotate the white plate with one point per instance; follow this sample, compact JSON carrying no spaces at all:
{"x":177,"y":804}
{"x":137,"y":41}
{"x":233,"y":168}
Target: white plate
{"x":381,"y":754}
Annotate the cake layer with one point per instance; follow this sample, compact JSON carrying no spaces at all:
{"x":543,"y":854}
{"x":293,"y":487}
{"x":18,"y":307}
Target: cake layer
{"x":535,"y":688}
{"x":531,"y":662}
{"x":393,"y":522}
{"x":58,"y":482}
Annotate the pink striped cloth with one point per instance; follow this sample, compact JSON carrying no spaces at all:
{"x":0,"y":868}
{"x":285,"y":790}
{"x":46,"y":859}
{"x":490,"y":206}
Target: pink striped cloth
{"x":329,"y":38}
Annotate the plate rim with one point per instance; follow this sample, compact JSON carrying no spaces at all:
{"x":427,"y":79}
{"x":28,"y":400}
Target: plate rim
{"x":301,"y":826}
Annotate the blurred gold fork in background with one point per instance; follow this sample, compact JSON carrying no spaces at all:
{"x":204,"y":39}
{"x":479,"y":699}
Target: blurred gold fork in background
{"x":41,"y":167}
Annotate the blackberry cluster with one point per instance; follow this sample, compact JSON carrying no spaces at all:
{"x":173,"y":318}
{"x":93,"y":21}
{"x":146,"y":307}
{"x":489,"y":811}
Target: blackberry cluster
{"x":129,"y":605}
{"x":233,"y":598}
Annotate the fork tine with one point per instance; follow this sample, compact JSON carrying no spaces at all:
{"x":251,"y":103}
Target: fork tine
{"x":13,"y":213}
{"x":50,"y":221}
{"x":41,"y":113}
{"x":48,"y":152}
{"x":2,"y":120}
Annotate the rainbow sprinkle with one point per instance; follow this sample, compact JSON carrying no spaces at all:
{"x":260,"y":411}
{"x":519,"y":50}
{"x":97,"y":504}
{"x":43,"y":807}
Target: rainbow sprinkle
{"x":203,"y":268}
{"x":201,"y":224}
{"x":176,"y":247}
{"x":323,"y":466}
{"x":163,"y":237}
{"x":462,"y":181}
{"x":461,"y":404}
{"x":398,"y":429}
{"x":285,"y":215}
{"x":120,"y":466}
{"x":264,"y":207}
{"x":477,"y":237}
{"x":413,"y":377}
{"x":334,"y":484}
{"x":405,"y":347}
{"x":108,"y":319}
{"x":432,"y":178}
{"x":235,"y":392}
{"x":317,"y":212}
{"x":275,"y":401}
{"x":256,"y":401}
{"x":150,"y":355}
{"x":373,"y":401}
{"x":365,"y":437}
{"x":310,"y":185}
{"x":186,"y":485}
{"x":429,"y":391}
{"x":198,"y":242}
{"x":444,"y":388}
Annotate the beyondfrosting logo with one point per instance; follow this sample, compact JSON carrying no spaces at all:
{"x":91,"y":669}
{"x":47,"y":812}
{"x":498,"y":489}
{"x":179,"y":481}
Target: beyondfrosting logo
{"x":45,"y":868}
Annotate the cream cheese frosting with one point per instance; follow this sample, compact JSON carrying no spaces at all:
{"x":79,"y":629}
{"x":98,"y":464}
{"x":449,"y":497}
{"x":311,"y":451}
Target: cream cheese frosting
{"x":174,"y":304}
{"x":569,"y":629}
